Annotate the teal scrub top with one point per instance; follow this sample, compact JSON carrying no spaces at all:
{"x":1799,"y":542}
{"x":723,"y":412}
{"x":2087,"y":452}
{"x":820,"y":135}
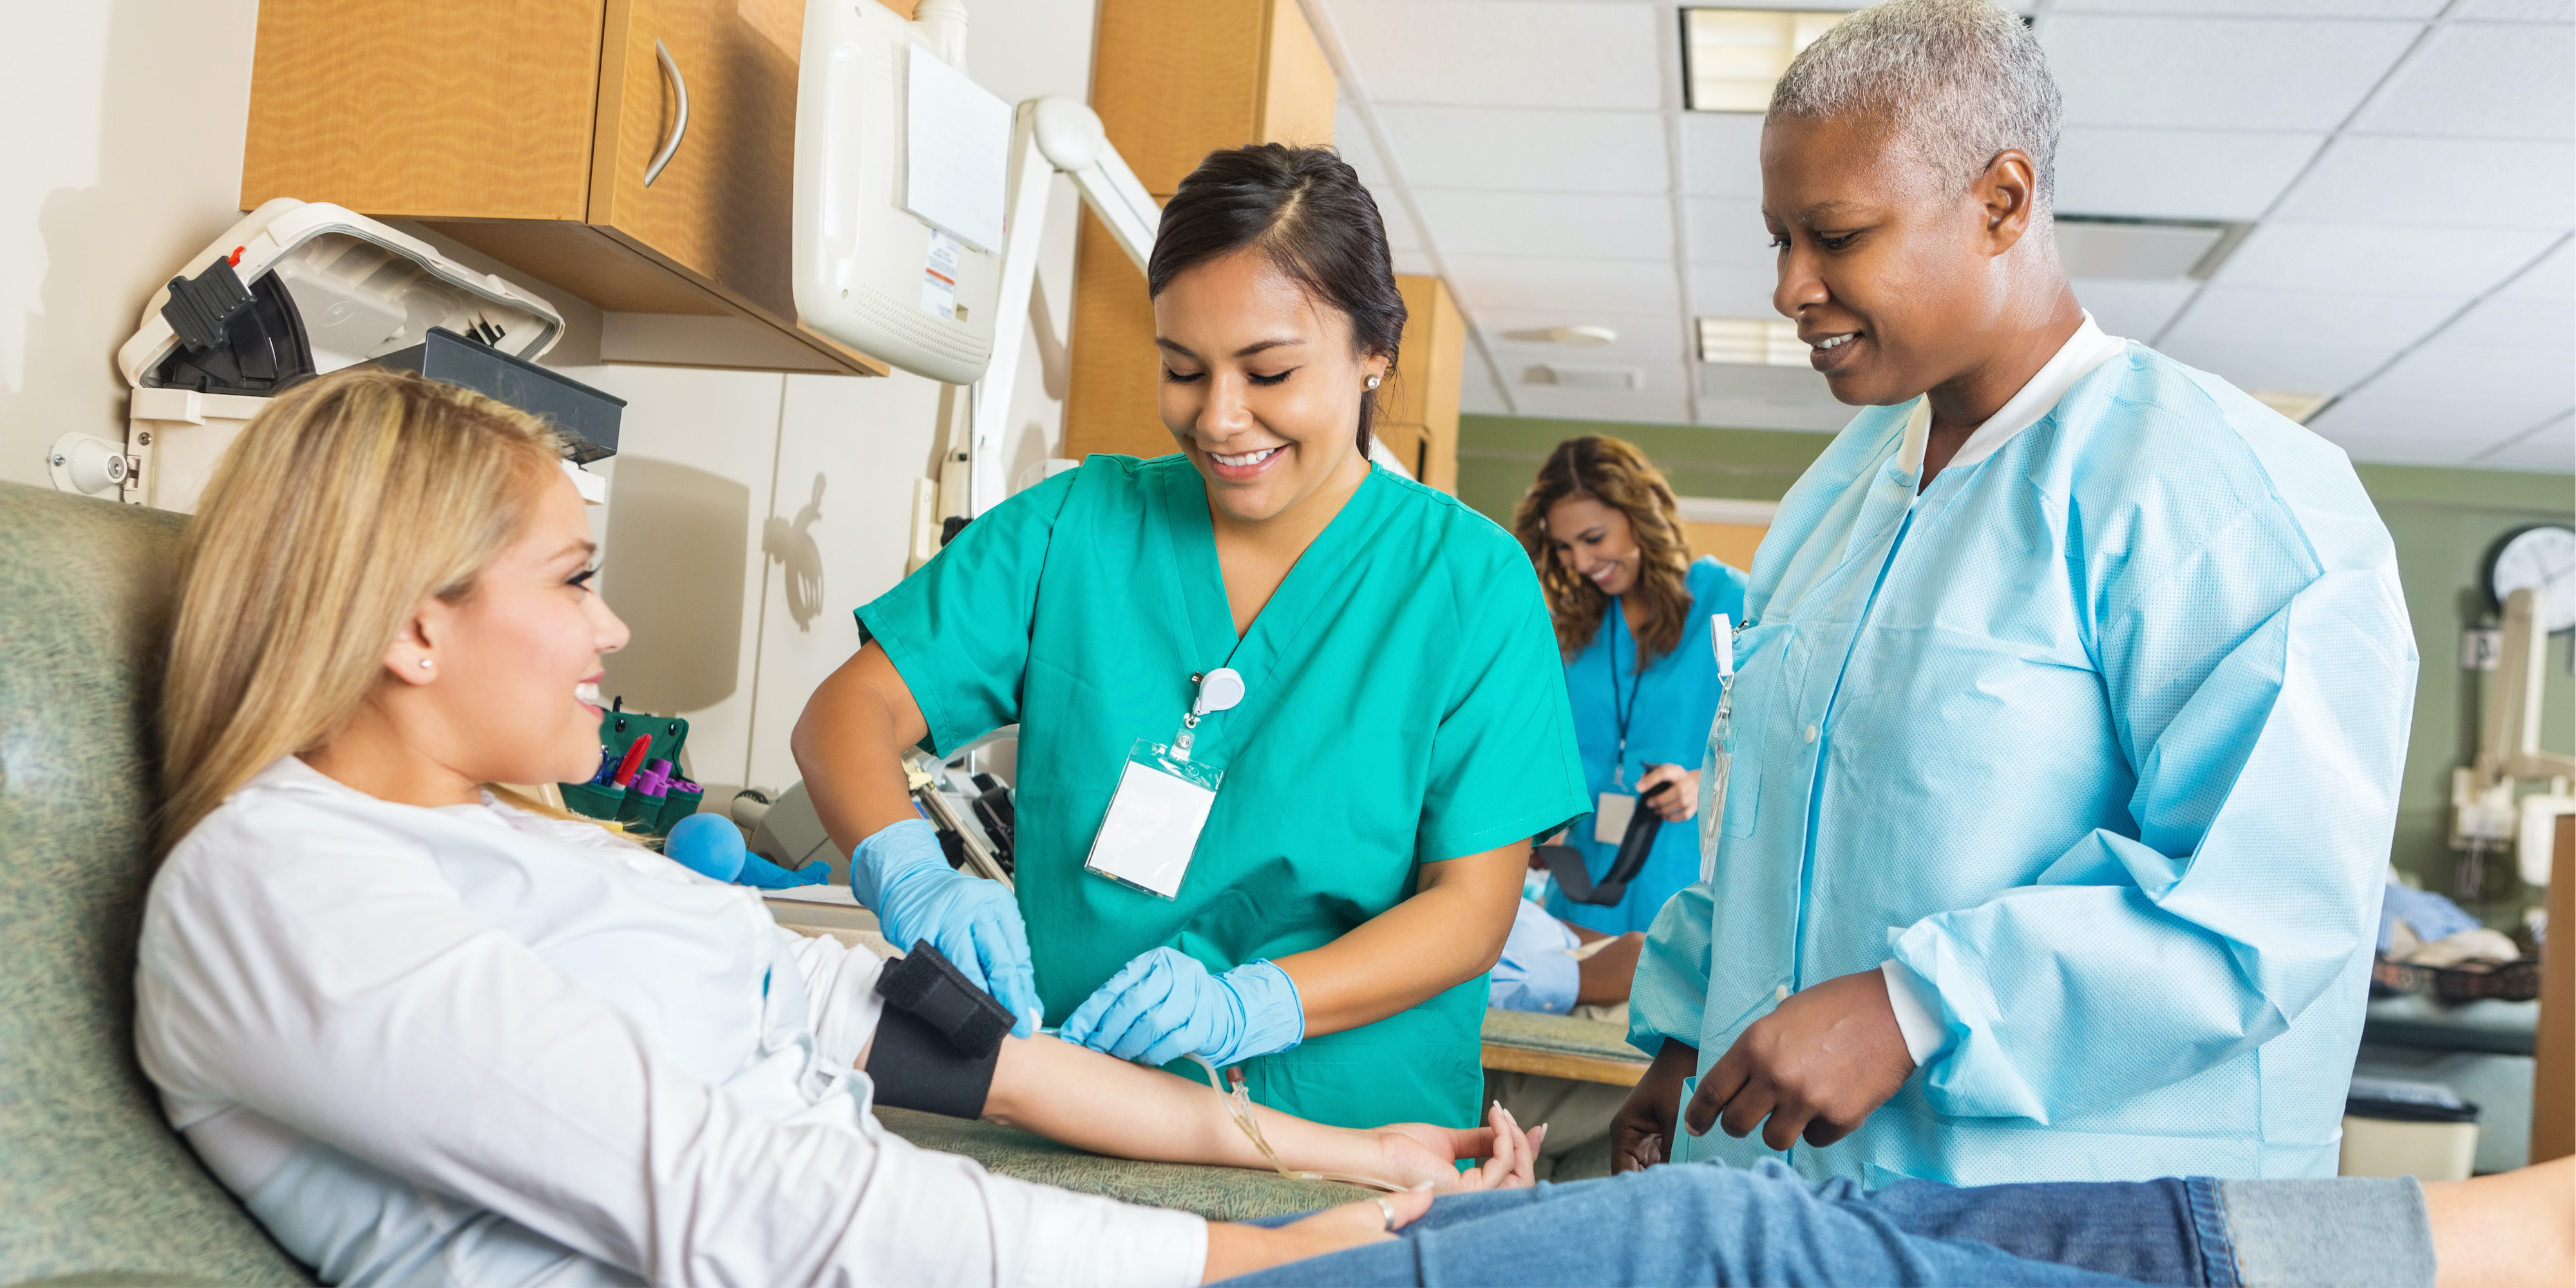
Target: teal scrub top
{"x":1404,"y":704}
{"x":1667,"y":712}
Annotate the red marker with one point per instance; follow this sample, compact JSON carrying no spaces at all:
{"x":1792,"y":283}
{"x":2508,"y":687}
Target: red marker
{"x":634,"y":760}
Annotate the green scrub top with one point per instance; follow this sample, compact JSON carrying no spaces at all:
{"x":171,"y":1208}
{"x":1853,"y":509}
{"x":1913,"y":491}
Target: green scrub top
{"x":1404,"y":703}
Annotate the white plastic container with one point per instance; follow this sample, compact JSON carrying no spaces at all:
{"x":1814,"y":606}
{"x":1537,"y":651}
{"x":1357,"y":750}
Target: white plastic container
{"x":360,"y":290}
{"x":2400,"y":1128}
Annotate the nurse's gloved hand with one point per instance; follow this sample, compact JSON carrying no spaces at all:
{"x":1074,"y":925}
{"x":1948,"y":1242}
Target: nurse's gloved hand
{"x":1164,"y":1005}
{"x":902,"y":875}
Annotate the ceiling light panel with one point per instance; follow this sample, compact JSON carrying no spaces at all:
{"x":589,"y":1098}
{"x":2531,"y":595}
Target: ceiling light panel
{"x":1751,"y":342}
{"x":1548,"y":53}
{"x":1532,"y":150}
{"x":2362,"y":259}
{"x":2133,"y":310}
{"x":2448,"y":183}
{"x":2178,"y":174}
{"x":1585,"y":375}
{"x":1549,"y":224}
{"x":1732,"y":57}
{"x":1564,"y":287}
{"x":2242,"y":315}
{"x":2482,"y":80}
{"x":2217,"y":74}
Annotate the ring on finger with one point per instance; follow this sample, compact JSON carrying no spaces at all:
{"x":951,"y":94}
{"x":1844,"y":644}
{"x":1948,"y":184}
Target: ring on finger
{"x":1389,"y":1209}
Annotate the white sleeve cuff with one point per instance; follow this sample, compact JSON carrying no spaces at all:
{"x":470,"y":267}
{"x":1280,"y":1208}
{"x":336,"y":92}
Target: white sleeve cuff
{"x":1915,"y":1017}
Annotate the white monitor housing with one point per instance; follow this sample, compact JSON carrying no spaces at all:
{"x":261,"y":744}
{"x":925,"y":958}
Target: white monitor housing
{"x":900,"y":174}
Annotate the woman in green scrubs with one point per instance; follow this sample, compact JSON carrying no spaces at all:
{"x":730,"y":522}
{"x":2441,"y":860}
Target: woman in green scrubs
{"x":1402,"y":729}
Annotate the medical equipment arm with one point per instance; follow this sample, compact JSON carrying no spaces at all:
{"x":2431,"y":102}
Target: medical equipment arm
{"x":2267,"y":751}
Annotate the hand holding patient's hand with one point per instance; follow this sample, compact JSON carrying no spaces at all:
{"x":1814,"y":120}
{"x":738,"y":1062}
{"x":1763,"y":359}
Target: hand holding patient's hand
{"x":1815,"y":1067}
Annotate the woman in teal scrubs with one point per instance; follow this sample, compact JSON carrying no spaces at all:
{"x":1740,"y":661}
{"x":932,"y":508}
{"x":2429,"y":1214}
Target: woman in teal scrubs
{"x":1401,"y":736}
{"x":1604,"y":530}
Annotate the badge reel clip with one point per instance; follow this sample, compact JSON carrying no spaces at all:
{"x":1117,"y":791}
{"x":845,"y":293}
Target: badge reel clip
{"x":1163,"y":800}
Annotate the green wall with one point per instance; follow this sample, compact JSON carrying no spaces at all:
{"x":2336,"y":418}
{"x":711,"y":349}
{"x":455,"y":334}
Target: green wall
{"x":2442,"y":520}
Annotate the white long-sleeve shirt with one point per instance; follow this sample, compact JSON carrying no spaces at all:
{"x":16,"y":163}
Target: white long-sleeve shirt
{"x":475,"y":1045}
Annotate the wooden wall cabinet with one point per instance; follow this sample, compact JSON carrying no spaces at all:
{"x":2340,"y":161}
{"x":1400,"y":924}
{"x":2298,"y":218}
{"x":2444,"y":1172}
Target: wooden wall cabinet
{"x":1417,"y":410}
{"x":1174,"y":80}
{"x":525,"y":130}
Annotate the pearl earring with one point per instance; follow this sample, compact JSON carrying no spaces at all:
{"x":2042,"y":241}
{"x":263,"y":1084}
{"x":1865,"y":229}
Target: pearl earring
{"x":424,"y":664}
{"x":1373,"y":382}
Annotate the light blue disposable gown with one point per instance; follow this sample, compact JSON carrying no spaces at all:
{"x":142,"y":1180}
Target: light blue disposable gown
{"x":2099,"y":739}
{"x":1668,"y":708}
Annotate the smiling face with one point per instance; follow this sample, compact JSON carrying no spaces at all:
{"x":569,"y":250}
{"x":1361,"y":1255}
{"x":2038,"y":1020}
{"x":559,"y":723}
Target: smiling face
{"x":1895,"y":281}
{"x":1261,"y":386}
{"x":511,"y":694}
{"x":1596,"y":541}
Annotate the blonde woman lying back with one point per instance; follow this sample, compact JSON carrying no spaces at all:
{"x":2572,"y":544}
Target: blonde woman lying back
{"x":430,"y":1033}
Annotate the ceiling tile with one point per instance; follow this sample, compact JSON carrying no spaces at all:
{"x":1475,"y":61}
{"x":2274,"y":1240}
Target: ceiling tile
{"x":1744,"y":412}
{"x":1645,"y":339}
{"x":2482,"y":80}
{"x":1728,"y":230}
{"x":1505,"y":53}
{"x":2510,"y":324}
{"x":2368,"y":449}
{"x":1722,"y":154}
{"x":1661,"y":402}
{"x":1732,"y":291}
{"x":1548,"y":223}
{"x":2452,"y":183}
{"x":2217,"y":73}
{"x":1527,"y":150}
{"x":2372,"y":414}
{"x":2519,"y":10}
{"x":1478,"y":397}
{"x":2553,"y":278}
{"x":2243,"y":315}
{"x":2278,"y":368}
{"x":2177,"y":174}
{"x":2256,"y":8}
{"x":2364,"y":259}
{"x":1414,"y":263}
{"x":1560,"y":285}
{"x":2133,"y":310}
{"x":2551,"y":447}
{"x":1351,"y":139}
{"x":2471,"y":376}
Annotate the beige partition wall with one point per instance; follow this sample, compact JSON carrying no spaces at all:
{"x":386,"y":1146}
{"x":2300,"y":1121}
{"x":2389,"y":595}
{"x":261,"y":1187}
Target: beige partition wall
{"x":1174,"y":80}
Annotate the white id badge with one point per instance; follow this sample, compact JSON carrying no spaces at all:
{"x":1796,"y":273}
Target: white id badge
{"x":1610,"y":818}
{"x":1154,"y":820}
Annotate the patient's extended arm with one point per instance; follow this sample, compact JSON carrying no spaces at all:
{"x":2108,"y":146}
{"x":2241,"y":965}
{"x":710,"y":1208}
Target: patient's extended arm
{"x":1108,"y":1106}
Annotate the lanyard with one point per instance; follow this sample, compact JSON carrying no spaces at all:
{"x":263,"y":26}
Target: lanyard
{"x":1623,"y":714}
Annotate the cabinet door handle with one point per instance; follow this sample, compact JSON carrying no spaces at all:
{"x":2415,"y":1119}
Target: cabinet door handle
{"x":680,"y":125}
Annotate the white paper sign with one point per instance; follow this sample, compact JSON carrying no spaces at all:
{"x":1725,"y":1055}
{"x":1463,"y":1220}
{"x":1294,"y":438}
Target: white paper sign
{"x":957,"y":150}
{"x":1152,"y":828}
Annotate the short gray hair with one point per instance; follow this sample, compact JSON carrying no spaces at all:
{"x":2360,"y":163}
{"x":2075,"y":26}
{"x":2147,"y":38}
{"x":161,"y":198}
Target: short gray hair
{"x":1958,"y":80}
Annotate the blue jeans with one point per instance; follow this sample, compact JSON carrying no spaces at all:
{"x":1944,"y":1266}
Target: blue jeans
{"x":1707,"y":1224}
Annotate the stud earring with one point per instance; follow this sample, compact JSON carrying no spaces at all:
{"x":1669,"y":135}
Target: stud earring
{"x":424,"y":664}
{"x":1373,"y":382}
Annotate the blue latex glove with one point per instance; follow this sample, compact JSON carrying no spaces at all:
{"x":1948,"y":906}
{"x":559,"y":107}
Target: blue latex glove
{"x":765,"y":875}
{"x":902,"y":875}
{"x":1164,"y":1005}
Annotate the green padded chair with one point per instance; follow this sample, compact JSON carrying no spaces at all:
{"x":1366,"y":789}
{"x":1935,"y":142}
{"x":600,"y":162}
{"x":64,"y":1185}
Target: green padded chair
{"x":95,"y":1189}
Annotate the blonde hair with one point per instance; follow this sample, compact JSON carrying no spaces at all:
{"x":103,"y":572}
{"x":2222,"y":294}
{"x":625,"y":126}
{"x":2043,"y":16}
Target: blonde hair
{"x":1617,"y":475}
{"x":341,"y":505}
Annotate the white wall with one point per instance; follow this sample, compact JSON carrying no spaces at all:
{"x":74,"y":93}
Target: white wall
{"x":128,"y":161}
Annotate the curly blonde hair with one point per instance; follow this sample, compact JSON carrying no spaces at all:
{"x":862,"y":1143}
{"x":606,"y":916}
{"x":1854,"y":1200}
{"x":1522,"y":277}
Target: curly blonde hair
{"x":1617,"y":475}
